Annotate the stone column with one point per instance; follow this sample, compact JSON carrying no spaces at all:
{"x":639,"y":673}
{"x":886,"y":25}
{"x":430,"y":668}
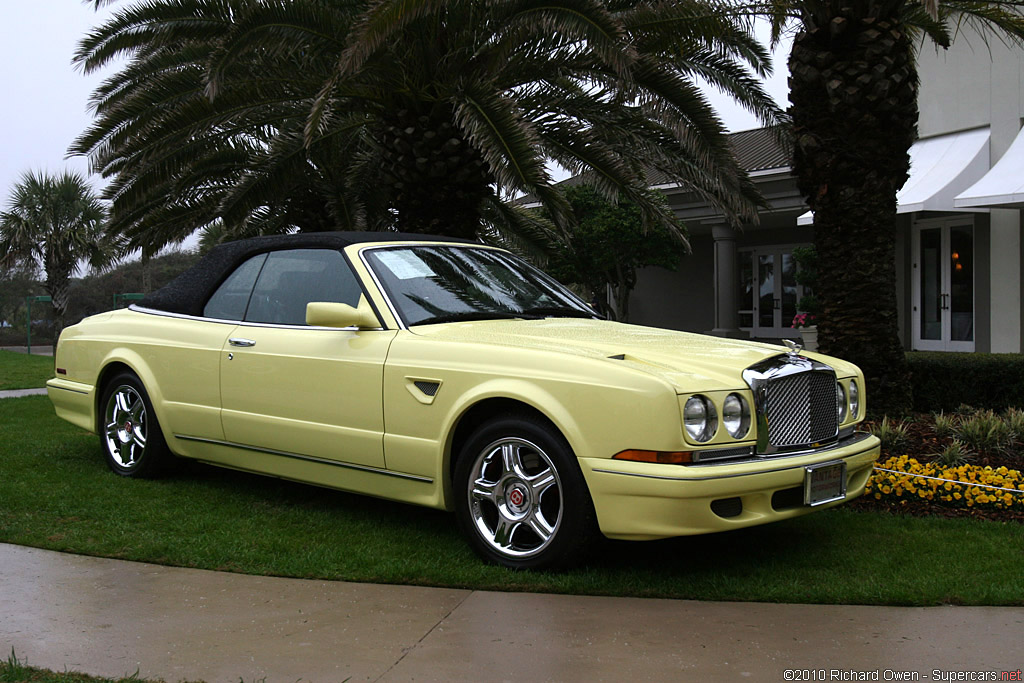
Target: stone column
{"x":727,"y":318}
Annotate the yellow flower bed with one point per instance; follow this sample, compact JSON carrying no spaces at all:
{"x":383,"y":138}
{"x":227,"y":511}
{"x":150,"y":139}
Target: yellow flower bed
{"x":901,"y":487}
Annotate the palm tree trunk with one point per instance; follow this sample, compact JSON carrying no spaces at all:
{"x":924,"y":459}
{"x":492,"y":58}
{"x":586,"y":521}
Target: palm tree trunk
{"x":58,"y":285}
{"x":854,"y":108}
{"x":435,"y":177}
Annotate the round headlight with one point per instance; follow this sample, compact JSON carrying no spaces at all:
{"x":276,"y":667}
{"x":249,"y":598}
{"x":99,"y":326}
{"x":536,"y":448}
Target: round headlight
{"x":700,"y":418}
{"x":841,"y":404}
{"x":854,"y":395}
{"x":736,"y":416}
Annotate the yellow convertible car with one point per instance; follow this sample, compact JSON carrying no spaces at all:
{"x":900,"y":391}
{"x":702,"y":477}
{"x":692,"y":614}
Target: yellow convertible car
{"x":454,"y":375}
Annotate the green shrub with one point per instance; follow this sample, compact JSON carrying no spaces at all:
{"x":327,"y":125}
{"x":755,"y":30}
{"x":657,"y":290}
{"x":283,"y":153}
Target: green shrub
{"x":954,"y":455}
{"x":892,"y":434}
{"x":945,"y":425}
{"x":944,"y":381}
{"x":1014,"y":419}
{"x":985,"y":432}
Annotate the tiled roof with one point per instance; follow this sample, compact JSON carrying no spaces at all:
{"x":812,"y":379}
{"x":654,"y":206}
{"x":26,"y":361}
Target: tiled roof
{"x":756,"y":150}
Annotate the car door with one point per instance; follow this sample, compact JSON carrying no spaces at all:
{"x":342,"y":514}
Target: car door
{"x":300,"y":391}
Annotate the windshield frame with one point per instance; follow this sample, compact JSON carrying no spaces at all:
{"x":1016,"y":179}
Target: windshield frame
{"x":427,"y":244}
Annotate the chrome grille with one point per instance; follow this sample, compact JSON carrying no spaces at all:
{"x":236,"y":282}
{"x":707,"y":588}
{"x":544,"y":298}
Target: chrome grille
{"x":795,"y":403}
{"x":801,"y":408}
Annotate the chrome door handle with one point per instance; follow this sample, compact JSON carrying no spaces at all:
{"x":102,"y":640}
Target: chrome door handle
{"x":238,"y":341}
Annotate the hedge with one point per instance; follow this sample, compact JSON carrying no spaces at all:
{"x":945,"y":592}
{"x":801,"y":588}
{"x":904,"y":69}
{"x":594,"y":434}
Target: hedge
{"x":945,"y":381}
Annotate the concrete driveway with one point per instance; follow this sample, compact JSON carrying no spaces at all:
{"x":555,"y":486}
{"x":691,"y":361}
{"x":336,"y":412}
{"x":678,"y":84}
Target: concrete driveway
{"x":111,"y":618}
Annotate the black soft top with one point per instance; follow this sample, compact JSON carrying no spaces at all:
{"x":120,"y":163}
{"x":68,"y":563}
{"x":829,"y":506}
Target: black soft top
{"x":187,"y":293}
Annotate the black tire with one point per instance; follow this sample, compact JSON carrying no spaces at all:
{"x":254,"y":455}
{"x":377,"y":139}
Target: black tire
{"x":130,"y":436}
{"x":520,"y":497}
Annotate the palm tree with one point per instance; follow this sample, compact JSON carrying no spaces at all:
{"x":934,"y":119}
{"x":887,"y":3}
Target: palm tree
{"x":853,"y":91}
{"x":258,"y":116}
{"x":56,"y":221}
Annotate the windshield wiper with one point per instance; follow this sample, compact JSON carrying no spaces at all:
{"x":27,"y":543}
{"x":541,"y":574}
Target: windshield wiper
{"x":474,"y":315}
{"x":558,"y":312}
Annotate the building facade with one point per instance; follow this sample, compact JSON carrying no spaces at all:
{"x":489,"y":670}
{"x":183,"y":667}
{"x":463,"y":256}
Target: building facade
{"x":959,"y":250}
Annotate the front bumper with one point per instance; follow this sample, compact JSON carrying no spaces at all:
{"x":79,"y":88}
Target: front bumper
{"x":642,"y":501}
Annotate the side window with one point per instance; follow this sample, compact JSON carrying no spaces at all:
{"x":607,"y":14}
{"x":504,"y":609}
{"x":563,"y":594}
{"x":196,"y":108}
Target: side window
{"x":232,"y":297}
{"x":291,"y":279}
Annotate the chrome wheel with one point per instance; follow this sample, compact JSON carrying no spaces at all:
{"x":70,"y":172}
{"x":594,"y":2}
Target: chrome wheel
{"x":125,"y":427}
{"x":515,"y":497}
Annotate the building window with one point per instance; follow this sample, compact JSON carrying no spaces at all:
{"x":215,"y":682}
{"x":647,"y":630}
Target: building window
{"x":768,"y":292}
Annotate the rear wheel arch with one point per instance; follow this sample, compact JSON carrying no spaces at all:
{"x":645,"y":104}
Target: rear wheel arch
{"x":131,"y":437}
{"x":109,"y":372}
{"x":116,"y":367}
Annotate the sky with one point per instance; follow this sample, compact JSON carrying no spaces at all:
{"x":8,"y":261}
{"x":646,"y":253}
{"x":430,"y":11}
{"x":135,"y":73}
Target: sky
{"x":45,"y":99}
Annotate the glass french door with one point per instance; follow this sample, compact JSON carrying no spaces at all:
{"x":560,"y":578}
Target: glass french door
{"x":768,"y":291}
{"x":943,"y":279}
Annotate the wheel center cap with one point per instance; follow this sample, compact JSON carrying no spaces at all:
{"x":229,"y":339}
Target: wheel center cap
{"x":518,"y":498}
{"x":128,"y":427}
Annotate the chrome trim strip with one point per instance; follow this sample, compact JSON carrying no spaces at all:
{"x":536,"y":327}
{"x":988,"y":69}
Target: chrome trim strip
{"x":853,"y":440}
{"x":73,"y":391}
{"x":245,"y":323}
{"x":862,"y":435}
{"x":309,"y":458}
{"x":380,"y":288}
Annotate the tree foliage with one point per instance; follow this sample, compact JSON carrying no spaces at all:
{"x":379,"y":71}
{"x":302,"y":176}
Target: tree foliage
{"x":56,"y":222}
{"x":263,"y":116}
{"x":853,"y":89}
{"x":607,"y":247}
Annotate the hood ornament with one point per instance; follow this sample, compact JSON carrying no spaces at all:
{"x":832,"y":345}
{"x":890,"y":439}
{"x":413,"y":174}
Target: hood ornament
{"x":793,"y":346}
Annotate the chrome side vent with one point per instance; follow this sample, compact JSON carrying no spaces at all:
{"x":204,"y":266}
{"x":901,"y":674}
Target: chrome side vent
{"x":428,"y":388}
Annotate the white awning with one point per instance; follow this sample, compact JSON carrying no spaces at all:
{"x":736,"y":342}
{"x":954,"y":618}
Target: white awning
{"x":1002,"y":186}
{"x":940,"y":168}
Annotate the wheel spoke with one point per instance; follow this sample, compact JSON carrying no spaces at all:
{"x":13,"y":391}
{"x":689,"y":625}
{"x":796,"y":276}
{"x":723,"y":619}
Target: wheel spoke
{"x":139,"y":438}
{"x":503,"y":532}
{"x":510,"y":458}
{"x":124,"y":449}
{"x":112,"y":430}
{"x":541,"y":483}
{"x":122,"y":402}
{"x":483,"y":491}
{"x":138,"y":412}
{"x":540,"y":526}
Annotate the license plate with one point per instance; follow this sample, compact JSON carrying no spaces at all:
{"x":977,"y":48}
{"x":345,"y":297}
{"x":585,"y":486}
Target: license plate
{"x":824,"y":483}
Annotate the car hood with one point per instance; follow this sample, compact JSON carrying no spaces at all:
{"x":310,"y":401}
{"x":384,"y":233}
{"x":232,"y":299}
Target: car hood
{"x":690,"y":362}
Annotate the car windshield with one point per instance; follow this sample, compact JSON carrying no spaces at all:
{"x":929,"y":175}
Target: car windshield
{"x":434,"y":284}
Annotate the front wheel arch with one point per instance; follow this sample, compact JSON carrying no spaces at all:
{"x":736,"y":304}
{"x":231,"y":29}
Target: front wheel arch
{"x":520,"y":496}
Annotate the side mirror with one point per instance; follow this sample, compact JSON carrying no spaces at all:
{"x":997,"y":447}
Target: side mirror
{"x":331,"y":314}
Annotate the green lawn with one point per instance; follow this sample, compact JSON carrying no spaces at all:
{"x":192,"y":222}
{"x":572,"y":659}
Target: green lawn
{"x":56,"y":492}
{"x":21,"y":371}
{"x":16,"y":671}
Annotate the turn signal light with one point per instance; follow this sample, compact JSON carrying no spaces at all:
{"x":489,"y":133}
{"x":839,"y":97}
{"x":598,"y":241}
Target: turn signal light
{"x":660,"y":457}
